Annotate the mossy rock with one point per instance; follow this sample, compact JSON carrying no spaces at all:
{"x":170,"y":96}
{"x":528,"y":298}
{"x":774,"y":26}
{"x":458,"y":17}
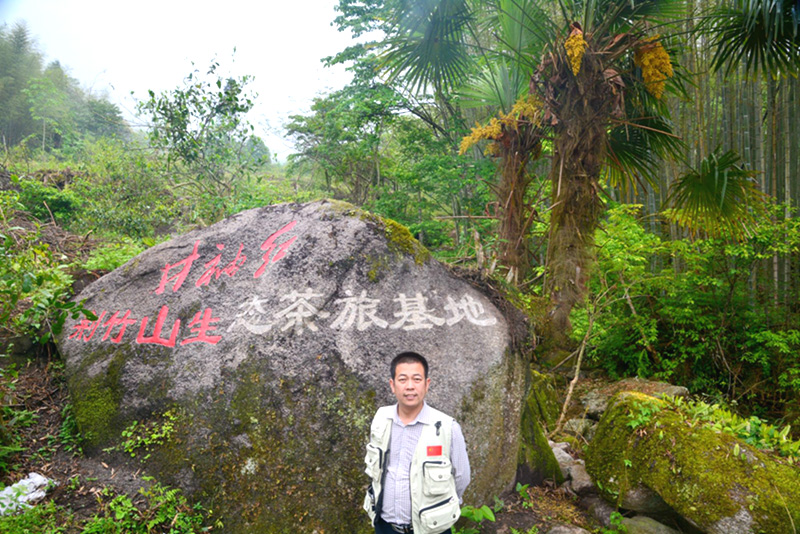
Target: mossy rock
{"x":543,"y":398}
{"x":643,"y":441}
{"x":537,"y":462}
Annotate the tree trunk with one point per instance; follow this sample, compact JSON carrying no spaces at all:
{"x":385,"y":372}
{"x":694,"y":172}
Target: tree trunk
{"x":579,"y":150}
{"x":515,"y":249}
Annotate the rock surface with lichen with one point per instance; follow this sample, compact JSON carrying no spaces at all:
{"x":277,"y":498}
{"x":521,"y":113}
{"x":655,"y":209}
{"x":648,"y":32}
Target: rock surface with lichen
{"x":715,"y":481}
{"x":246,"y":360}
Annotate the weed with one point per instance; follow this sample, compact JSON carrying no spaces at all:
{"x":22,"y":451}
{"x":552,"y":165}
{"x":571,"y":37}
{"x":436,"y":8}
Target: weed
{"x":617,"y":527}
{"x":752,"y":430}
{"x":167,"y":510}
{"x":68,"y":435}
{"x":145,"y":436}
{"x":43,"y":518}
{"x":643,"y":412}
{"x":476,"y":515}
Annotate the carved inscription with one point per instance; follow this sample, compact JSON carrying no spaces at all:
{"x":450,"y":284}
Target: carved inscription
{"x":299,"y":311}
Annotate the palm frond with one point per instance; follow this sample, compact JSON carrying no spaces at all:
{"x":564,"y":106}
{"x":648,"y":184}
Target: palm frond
{"x":496,"y":86}
{"x":764,"y":34}
{"x":721,"y":198}
{"x":636,"y":148}
{"x":428,"y":46}
{"x":621,"y":15}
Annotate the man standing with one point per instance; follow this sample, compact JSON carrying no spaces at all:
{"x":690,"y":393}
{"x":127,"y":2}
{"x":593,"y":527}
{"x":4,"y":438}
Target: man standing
{"x":416,"y":457}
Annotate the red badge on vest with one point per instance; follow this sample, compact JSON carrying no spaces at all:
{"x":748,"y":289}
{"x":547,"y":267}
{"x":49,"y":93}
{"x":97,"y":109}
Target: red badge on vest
{"x":435,"y":450}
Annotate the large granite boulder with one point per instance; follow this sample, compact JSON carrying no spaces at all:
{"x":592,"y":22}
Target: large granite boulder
{"x":648,"y":454}
{"x":255,"y":352}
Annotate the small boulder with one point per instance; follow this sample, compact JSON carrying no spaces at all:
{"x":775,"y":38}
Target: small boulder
{"x":595,"y":401}
{"x":543,"y":398}
{"x":718,"y":483}
{"x":645,"y":525}
{"x":567,"y":529}
{"x":579,"y":480}
{"x":580,"y":428}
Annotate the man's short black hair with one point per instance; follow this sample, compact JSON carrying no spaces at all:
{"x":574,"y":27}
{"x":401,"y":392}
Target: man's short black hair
{"x":408,"y":357}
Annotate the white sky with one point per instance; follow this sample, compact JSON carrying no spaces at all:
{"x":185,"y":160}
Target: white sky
{"x":116,"y":47}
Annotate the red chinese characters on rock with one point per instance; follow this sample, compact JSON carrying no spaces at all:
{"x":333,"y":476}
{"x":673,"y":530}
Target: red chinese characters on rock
{"x":203,"y":327}
{"x":273,"y":250}
{"x":85,"y":329}
{"x":156,"y":337}
{"x":200,"y":325}
{"x":213,"y":271}
{"x":269,"y":245}
{"x":185,"y":265}
{"x":114,"y":321}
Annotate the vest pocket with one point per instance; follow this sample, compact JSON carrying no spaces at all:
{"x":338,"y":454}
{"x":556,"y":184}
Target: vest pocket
{"x":369,"y":501}
{"x":374,"y":461}
{"x":437,"y":477}
{"x":441,"y":515}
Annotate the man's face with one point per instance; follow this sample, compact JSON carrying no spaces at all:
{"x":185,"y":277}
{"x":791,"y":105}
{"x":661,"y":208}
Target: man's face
{"x":410,"y":385}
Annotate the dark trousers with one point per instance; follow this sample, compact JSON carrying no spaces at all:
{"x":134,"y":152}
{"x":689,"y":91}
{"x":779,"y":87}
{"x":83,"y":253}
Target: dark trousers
{"x":382,"y":527}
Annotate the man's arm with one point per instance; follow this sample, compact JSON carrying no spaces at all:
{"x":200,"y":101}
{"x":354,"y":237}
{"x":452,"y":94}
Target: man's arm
{"x":459,"y":459}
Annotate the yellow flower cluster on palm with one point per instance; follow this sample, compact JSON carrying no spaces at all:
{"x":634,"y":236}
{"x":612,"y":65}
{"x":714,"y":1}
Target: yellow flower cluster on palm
{"x":525,"y":110}
{"x":576,"y":48}
{"x":656,"y":66}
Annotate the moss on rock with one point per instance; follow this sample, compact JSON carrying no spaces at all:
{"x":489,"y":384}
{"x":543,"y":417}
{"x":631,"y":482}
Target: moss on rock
{"x":543,"y":398}
{"x":398,"y":236}
{"x":96,"y":409}
{"x":537,"y":462}
{"x":714,"y":480}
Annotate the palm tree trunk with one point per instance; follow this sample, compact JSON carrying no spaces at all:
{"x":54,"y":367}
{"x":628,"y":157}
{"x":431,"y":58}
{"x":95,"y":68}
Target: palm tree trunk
{"x":575,"y":214}
{"x":515,"y":249}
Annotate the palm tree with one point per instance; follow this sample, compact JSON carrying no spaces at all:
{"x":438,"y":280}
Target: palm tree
{"x":764,"y":34}
{"x":596,"y":70}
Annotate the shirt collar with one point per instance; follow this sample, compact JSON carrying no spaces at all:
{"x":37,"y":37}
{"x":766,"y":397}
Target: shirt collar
{"x":425,"y":416}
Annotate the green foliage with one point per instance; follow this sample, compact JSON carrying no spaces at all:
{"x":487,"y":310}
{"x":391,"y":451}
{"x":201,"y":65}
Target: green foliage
{"x":476,"y":515}
{"x":45,"y":518}
{"x":68,"y":434}
{"x":166,"y":510}
{"x":33,"y":284}
{"x":109,"y":257}
{"x":43,"y":200}
{"x":44,"y":108}
{"x":720,"y":198}
{"x":617,"y":527}
{"x":201,"y":126}
{"x":695,"y":312}
{"x":12,"y":419}
{"x":642,"y":412}
{"x":148,"y":435}
{"x":125,"y":192}
{"x":752,"y":430}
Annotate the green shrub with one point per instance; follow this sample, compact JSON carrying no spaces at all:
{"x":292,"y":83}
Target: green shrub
{"x":696,"y":312}
{"x":34,"y":285}
{"x":166,"y":510}
{"x":109,"y":257}
{"x":45,"y":518}
{"x":43,"y":200}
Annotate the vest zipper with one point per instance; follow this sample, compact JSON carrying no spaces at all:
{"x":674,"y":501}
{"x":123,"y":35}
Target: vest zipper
{"x":437,"y":505}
